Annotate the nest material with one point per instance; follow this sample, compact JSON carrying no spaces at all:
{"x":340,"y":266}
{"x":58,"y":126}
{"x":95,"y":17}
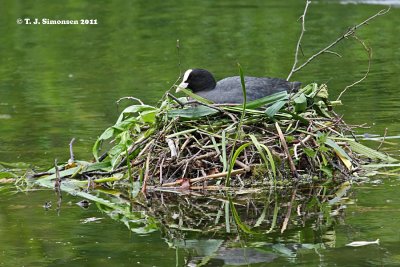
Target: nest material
{"x":280,"y":138}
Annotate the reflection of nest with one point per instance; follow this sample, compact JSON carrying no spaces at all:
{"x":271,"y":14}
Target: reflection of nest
{"x":262,"y":212}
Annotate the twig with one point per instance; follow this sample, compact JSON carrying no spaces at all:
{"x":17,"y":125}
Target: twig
{"x":146,"y":173}
{"x":133,"y":147}
{"x":302,"y":142}
{"x":348,"y":33}
{"x":196,"y":157}
{"x":178,"y":46}
{"x":176,"y":99}
{"x":57,"y":183}
{"x":289,"y":211}
{"x":286,"y":149}
{"x":110,"y":172}
{"x":383,"y":140}
{"x":131,"y":98}
{"x":241,"y":164}
{"x":40,"y":174}
{"x":333,"y":53}
{"x":172,"y":148}
{"x":161,"y":169}
{"x":71,"y":152}
{"x":369,"y":52}
{"x":57,"y":187}
{"x":204,"y":178}
{"x":303,"y":29}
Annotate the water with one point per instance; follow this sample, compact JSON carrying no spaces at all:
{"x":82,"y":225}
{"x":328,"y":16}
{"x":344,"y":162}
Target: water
{"x":60,"y":81}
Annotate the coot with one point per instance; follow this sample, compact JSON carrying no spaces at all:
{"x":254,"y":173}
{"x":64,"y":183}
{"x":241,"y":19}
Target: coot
{"x":229,"y":90}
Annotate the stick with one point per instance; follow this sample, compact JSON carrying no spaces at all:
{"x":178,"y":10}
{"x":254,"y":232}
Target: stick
{"x":172,"y":148}
{"x":348,"y":33}
{"x":369,"y":52}
{"x":204,"y":178}
{"x":178,"y":46}
{"x":161,"y":169}
{"x":57,"y":183}
{"x":289,"y":211}
{"x":383,"y":140}
{"x":71,"y":152}
{"x":243,"y":165}
{"x":303,"y":29}
{"x":285,"y":147}
{"x":146,"y":173}
{"x":302,"y":142}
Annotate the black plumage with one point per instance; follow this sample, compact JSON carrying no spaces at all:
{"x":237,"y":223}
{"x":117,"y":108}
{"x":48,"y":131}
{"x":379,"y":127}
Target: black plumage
{"x":229,"y":90}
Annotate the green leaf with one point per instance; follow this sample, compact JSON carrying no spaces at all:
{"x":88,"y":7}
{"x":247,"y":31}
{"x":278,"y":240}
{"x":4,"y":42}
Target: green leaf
{"x":243,"y":86}
{"x":233,"y":159}
{"x":245,"y":228}
{"x":300,"y":103}
{"x":192,"y":112}
{"x":268,"y":100}
{"x":309,"y":152}
{"x":327,"y":170}
{"x":297,"y":117}
{"x":149,"y":116}
{"x":380,"y":166}
{"x":17,"y":165}
{"x":7,"y":175}
{"x":133,"y":110}
{"x":272,"y":110}
{"x":194,"y":96}
{"x":369,"y":152}
{"x":107,"y":134}
{"x":307,"y":90}
{"x":321,"y":109}
{"x":323,"y":91}
{"x":337,"y":148}
{"x":268,"y":163}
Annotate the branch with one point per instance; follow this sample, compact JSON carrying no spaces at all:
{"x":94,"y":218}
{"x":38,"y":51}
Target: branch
{"x":131,"y":98}
{"x":369,"y":52}
{"x":348,"y":33}
{"x":298,"y":46}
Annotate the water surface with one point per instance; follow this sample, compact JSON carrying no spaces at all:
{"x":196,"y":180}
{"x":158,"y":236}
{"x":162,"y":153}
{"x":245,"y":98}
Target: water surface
{"x":61,"y":81}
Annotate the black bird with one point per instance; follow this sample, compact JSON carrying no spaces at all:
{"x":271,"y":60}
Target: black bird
{"x":229,"y":90}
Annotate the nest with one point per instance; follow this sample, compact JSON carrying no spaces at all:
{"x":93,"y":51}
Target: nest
{"x":280,"y":139}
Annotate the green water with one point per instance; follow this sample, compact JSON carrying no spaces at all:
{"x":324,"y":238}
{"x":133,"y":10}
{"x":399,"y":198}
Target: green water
{"x":61,"y":81}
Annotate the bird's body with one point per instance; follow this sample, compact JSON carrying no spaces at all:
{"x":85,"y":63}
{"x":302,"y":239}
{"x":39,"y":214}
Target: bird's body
{"x":229,"y":90}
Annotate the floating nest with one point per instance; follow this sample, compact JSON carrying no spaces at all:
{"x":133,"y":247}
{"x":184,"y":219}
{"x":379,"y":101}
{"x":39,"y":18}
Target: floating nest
{"x":190,"y":143}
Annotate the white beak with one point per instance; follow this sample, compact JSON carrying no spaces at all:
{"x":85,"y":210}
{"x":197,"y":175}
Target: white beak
{"x":182,"y":85}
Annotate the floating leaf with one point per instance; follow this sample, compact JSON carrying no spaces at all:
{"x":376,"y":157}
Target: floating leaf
{"x":18,"y":165}
{"x":8,"y":175}
{"x":369,"y":152}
